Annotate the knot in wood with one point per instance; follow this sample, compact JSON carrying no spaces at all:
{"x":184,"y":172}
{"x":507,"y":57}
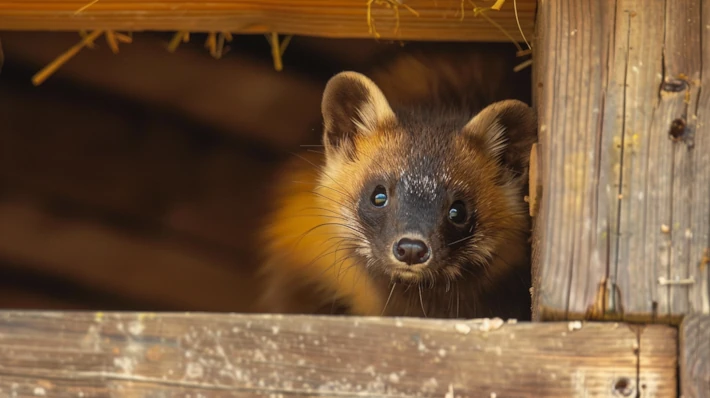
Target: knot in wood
{"x":674,"y":85}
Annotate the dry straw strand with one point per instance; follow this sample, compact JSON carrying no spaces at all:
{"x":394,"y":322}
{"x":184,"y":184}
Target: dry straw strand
{"x":182,"y":36}
{"x":482,"y":11}
{"x":278,"y":49}
{"x":113,"y":38}
{"x":394,"y":5}
{"x":497,"y":6}
{"x":83,"y":33}
{"x":517,"y":21}
{"x":111,"y":41}
{"x":48,"y":70}
{"x":85,"y":7}
{"x":215,"y":43}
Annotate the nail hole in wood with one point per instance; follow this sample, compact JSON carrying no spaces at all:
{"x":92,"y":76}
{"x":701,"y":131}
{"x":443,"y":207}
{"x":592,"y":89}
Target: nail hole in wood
{"x":623,"y":387}
{"x":677,"y":129}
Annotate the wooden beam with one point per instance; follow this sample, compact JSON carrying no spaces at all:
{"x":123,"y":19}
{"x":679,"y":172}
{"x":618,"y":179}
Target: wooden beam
{"x":415,"y":19}
{"x":624,"y":220}
{"x":98,"y":354}
{"x":695,"y":356}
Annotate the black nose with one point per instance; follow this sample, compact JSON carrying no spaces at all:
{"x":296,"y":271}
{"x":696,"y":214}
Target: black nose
{"x":411,"y":251}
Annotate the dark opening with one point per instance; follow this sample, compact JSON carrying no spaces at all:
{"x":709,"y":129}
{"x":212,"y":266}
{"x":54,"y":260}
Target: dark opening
{"x":139,"y":180}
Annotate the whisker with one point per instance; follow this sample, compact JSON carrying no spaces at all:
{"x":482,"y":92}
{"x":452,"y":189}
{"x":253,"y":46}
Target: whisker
{"x":319,"y":186}
{"x":388,"y":299}
{"x":319,"y":168}
{"x":421,"y":301}
{"x":461,"y":240}
{"x":458,"y":300}
{"x":324,"y":225}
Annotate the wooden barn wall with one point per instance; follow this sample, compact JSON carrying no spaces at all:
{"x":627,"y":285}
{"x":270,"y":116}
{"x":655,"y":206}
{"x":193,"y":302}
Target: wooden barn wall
{"x":135,"y":181}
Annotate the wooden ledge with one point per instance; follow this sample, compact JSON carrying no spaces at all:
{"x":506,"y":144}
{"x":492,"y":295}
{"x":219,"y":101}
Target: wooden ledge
{"x":131,"y":354}
{"x":418,"y":20}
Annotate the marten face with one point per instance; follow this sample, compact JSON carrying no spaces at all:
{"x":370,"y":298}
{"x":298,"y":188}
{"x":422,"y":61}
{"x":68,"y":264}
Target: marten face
{"x":423,"y":196}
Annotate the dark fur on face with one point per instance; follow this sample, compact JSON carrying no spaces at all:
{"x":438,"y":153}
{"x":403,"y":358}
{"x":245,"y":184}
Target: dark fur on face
{"x":433,"y":196}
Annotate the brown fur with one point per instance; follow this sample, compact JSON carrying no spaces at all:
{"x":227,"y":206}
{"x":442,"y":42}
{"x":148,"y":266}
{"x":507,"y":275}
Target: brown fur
{"x":325,"y":249}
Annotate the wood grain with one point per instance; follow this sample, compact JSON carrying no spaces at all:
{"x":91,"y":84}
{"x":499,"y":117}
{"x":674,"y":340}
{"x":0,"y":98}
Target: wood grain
{"x":625,"y":208}
{"x":141,"y":354}
{"x":440,"y":20}
{"x":695,"y":356}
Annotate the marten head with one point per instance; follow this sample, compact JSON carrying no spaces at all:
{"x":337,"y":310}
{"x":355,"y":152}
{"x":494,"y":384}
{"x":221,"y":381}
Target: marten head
{"x":423,"y":194}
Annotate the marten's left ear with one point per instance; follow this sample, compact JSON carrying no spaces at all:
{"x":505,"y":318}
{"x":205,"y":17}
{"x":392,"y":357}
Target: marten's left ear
{"x":507,"y":129}
{"x":352,"y":104}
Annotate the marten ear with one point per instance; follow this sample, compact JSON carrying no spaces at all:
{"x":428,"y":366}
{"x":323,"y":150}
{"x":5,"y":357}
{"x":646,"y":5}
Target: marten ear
{"x":352,"y":104}
{"x":507,"y":129}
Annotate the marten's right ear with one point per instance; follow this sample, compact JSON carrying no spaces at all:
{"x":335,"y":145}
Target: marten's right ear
{"x":352,"y":104}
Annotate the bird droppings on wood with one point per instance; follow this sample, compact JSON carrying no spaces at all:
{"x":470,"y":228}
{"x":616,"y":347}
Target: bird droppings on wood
{"x":462,"y":328}
{"x":135,"y":328}
{"x":450,"y":392}
{"x":574,"y":325}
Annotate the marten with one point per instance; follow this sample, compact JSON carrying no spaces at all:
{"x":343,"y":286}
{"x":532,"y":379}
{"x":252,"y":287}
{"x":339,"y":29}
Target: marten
{"x":415,"y":204}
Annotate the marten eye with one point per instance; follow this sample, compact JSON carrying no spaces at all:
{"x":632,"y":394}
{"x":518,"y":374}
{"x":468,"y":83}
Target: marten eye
{"x":457,"y":212}
{"x":379,"y":196}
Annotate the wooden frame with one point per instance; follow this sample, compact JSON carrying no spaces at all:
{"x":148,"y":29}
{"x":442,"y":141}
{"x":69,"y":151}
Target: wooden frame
{"x":621,"y":231}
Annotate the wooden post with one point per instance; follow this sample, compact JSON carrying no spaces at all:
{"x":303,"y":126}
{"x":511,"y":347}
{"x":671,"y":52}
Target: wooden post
{"x":129,"y":354}
{"x":389,"y":19}
{"x":624,"y":222}
{"x":695,"y":356}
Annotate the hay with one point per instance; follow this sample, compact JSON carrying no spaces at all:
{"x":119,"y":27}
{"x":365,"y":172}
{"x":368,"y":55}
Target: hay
{"x":477,"y":11}
{"x":179,"y":37}
{"x":53,"y":66}
{"x":277,"y":50}
{"x":85,"y":7}
{"x":393,"y":4}
{"x":88,"y":40}
{"x":113,"y":38}
{"x":215,"y":43}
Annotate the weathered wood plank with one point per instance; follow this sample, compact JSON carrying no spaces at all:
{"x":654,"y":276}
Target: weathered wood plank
{"x":88,"y":354}
{"x":440,"y":20}
{"x":695,"y":356}
{"x":570,"y":51}
{"x":658,"y":353}
{"x":699,"y":250}
{"x":624,"y":219}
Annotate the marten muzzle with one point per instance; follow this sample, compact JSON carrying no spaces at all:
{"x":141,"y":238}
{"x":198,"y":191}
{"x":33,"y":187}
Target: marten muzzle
{"x":411,"y":251}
